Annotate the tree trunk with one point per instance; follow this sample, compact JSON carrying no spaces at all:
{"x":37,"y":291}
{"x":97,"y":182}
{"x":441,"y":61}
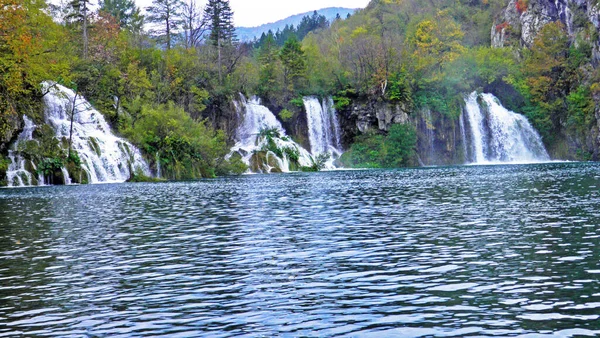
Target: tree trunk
{"x":85,"y":34}
{"x":219,"y":62}
{"x":168,"y":33}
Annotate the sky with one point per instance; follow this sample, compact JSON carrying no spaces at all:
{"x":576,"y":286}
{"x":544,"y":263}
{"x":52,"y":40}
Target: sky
{"x":250,"y":13}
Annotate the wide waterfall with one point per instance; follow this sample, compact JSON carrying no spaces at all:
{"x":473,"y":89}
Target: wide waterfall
{"x":105,"y":158}
{"x":323,"y":129}
{"x":498,"y":135}
{"x":262,"y":142}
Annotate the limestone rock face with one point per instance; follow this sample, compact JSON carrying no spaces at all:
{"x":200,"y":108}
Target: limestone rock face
{"x":519,"y":26}
{"x":437,"y":135}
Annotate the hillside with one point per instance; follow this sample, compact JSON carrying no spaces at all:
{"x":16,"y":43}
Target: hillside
{"x":250,"y":33}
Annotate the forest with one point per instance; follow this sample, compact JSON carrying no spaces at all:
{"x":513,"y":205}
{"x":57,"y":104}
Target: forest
{"x":166,"y":79}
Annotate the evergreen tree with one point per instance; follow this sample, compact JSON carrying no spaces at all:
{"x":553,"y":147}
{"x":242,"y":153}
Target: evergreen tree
{"x":219,"y":16}
{"x":268,"y":61}
{"x":168,"y":14}
{"x":293,"y":59}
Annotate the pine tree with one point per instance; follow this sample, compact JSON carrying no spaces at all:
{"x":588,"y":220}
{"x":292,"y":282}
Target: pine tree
{"x":166,"y":13}
{"x":219,"y":16}
{"x":293,"y":59}
{"x":268,"y":60}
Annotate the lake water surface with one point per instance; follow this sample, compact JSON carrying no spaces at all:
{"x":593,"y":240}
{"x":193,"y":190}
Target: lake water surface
{"x":482,"y":251}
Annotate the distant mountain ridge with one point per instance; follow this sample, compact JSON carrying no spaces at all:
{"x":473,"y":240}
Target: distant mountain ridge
{"x":250,"y":33}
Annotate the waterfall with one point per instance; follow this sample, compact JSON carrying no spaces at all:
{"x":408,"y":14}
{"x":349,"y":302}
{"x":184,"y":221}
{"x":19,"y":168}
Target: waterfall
{"x":17,"y":175}
{"x":323,"y":128}
{"x":478,"y":132}
{"x":261,"y":133}
{"x":430,"y":127}
{"x":104,"y":157}
{"x":463,"y":135}
{"x":500,"y":135}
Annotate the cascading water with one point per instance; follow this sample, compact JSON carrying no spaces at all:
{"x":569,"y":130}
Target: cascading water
{"x":323,"y":129}
{"x":430,"y":128}
{"x":17,"y":175}
{"x":499,"y":135}
{"x":463,"y":135}
{"x":261,"y":134}
{"x":104,"y":157}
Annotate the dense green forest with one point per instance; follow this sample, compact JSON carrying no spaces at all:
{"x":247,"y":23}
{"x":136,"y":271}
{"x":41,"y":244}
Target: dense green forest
{"x":166,"y":79}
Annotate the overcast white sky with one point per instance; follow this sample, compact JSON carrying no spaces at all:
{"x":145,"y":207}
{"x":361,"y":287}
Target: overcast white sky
{"x":250,"y":13}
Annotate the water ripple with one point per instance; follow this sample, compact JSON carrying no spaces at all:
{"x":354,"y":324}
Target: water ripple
{"x":475,"y":251}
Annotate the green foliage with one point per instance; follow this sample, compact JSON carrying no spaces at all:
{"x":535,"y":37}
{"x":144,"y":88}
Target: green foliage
{"x":293,"y":60}
{"x":581,"y":109}
{"x":219,"y":16}
{"x":400,"y":89}
{"x":297,"y":102}
{"x":292,"y":154}
{"x":165,"y":13}
{"x":373,"y":150}
{"x":286,"y":115}
{"x":49,"y":166}
{"x":187,"y":149}
{"x":341,"y":102}
{"x":269,"y":72}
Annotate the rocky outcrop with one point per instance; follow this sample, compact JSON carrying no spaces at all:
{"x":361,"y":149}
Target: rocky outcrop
{"x":438,"y":136}
{"x":12,"y":125}
{"x":523,"y":19}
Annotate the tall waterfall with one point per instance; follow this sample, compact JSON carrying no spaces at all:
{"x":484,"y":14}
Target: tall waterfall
{"x":257,"y":129}
{"x":105,"y":157}
{"x":499,"y":135}
{"x":323,"y":128}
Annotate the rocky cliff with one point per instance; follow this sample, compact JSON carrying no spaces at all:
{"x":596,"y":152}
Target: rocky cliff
{"x":438,"y":136}
{"x":520,"y":22}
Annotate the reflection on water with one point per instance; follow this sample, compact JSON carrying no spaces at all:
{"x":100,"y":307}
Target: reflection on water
{"x":501,"y":250}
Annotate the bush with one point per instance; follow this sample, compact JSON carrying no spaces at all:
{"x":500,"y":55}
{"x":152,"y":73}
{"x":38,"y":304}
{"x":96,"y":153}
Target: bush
{"x":187,"y":149}
{"x":373,"y":150}
{"x":286,"y":115}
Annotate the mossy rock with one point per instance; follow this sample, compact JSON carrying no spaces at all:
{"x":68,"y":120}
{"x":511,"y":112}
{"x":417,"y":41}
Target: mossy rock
{"x":276,"y":171}
{"x":77,"y":174}
{"x":258,"y":162}
{"x":273,"y":161}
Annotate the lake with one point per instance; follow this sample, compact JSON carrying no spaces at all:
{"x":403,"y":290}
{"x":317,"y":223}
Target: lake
{"x":457,"y":251}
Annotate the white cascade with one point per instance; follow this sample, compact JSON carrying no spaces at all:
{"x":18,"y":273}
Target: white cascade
{"x":105,"y":157}
{"x":256,"y":118}
{"x":17,"y":175}
{"x":500,"y":135}
{"x":463,"y":135}
{"x":323,"y":129}
{"x":429,"y":125}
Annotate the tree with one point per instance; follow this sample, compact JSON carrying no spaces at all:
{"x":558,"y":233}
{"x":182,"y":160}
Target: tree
{"x":294,"y":63}
{"x":219,"y":16}
{"x":194,"y":23}
{"x":268,"y":62}
{"x":79,"y":15}
{"x":166,"y":13}
{"x":124,"y":11}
